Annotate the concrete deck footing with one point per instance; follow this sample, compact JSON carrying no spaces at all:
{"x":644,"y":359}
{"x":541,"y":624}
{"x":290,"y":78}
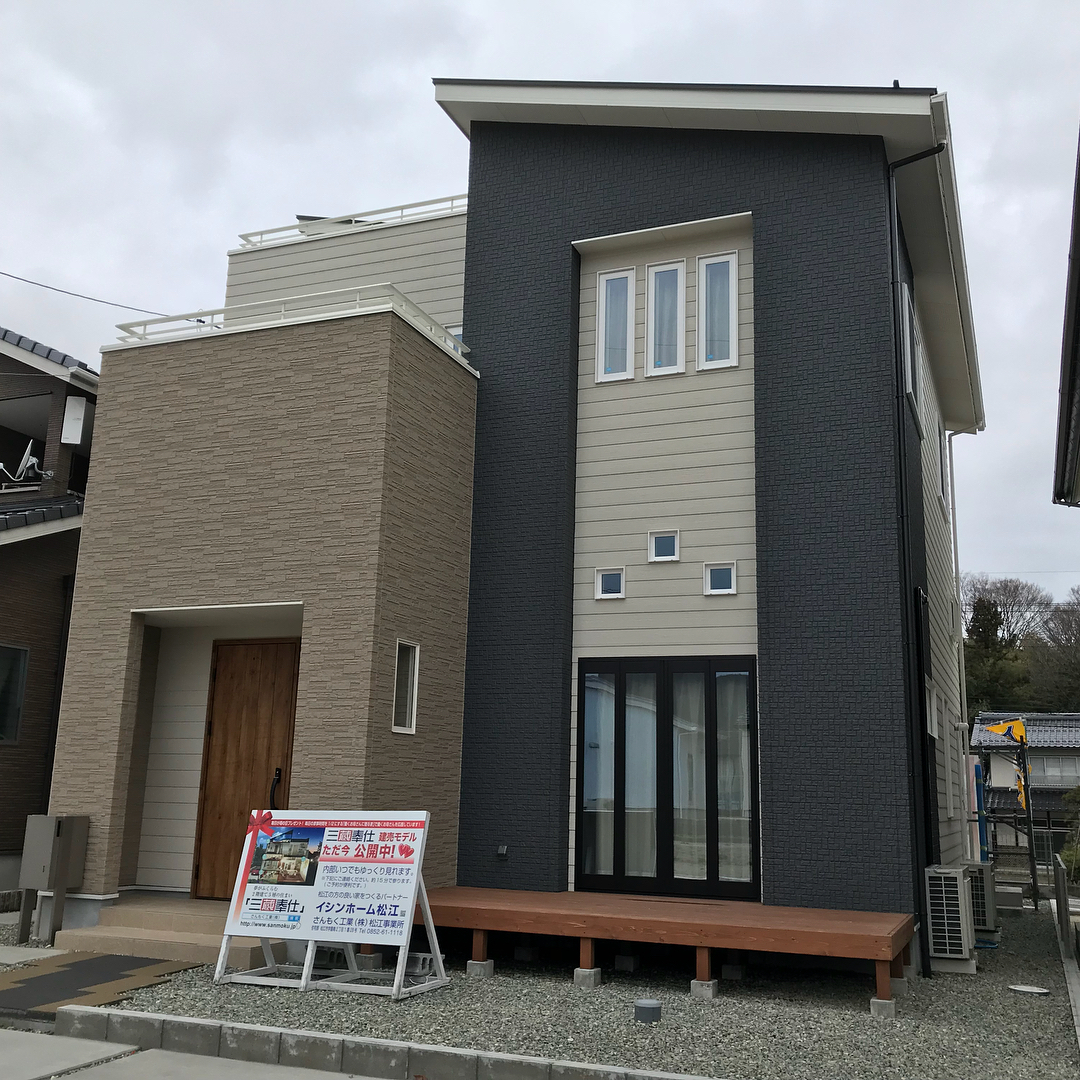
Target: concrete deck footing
{"x":899,"y":987}
{"x":587,"y":978}
{"x":883,"y":1010}
{"x":480,"y":969}
{"x":706,"y":991}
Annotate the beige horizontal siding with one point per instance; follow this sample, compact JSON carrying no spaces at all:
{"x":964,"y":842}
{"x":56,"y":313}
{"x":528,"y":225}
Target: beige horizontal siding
{"x":425,"y":260}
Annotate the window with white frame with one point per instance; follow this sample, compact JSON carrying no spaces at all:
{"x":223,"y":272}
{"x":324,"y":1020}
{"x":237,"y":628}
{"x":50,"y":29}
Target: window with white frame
{"x":615,"y":325}
{"x":719,"y":578}
{"x":406,"y":680}
{"x":664,"y":546}
{"x":931,"y":712}
{"x":912,"y":344}
{"x":1055,"y":771}
{"x":943,"y":465}
{"x":12,"y":687}
{"x":717,"y":311}
{"x":610,"y":583}
{"x":665,"y":318}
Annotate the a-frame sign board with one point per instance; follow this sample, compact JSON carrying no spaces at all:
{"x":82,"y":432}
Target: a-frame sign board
{"x":343,"y":879}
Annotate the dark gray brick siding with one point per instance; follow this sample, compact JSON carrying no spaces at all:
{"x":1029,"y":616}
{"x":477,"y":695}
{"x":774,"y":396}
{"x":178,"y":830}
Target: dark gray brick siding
{"x":833,"y":739}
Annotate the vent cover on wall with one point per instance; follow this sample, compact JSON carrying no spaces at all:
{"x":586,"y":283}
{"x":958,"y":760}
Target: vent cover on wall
{"x":948,"y":895}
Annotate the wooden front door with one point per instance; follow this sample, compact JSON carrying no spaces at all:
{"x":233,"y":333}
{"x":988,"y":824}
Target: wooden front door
{"x":249,"y":727}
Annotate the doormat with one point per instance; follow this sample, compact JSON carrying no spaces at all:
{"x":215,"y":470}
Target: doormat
{"x":39,"y":988}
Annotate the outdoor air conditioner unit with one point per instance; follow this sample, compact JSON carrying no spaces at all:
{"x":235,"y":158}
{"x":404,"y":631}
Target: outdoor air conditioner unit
{"x":951,"y":926}
{"x":983,"y":901}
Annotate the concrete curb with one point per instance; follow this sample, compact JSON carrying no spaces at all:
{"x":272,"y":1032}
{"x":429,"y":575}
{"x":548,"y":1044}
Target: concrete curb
{"x":379,"y":1059}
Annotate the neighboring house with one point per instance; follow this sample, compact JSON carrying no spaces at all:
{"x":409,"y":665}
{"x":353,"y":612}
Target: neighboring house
{"x":704,"y":557}
{"x":1067,"y":458}
{"x":1054,"y":760}
{"x":47,"y":402}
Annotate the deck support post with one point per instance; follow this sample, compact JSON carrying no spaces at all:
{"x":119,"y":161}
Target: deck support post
{"x":587,"y":974}
{"x":704,"y":963}
{"x":480,"y":966}
{"x":882,"y":1004}
{"x":480,"y":945}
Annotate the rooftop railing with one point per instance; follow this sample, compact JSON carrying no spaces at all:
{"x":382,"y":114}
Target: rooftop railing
{"x":310,"y":307}
{"x":367,"y":219}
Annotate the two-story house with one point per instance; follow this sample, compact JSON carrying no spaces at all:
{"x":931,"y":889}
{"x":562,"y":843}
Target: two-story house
{"x":47,"y":403}
{"x":686,"y":625}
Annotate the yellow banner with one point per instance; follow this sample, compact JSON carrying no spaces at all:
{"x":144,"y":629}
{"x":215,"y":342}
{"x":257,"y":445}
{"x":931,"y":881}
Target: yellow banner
{"x":1011,"y":729}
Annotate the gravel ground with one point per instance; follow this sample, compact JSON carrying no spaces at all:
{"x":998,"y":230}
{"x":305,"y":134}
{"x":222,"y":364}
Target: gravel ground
{"x":777,"y":1023}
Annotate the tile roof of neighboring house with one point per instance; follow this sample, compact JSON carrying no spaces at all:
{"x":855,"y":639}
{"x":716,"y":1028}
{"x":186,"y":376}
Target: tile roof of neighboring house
{"x":1003,"y":800}
{"x":35,"y":347}
{"x":35,"y":511}
{"x":1044,"y":730}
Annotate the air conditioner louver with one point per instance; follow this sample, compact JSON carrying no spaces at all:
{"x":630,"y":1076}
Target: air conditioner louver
{"x":983,"y":899}
{"x":952,"y":931}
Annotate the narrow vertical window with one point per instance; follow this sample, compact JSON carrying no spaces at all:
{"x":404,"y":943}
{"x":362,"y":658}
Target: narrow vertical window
{"x":665,"y":319}
{"x":640,"y":756}
{"x":405,"y":682}
{"x":717,"y":314}
{"x":615,"y":326}
{"x":12,"y":688}
{"x":688,"y":779}
{"x":598,"y":803}
{"x":912,"y":345}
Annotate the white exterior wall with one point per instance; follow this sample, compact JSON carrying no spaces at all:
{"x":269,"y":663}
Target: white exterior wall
{"x":944,"y":687}
{"x":174,"y":765}
{"x":423,"y":259}
{"x":673,"y":451}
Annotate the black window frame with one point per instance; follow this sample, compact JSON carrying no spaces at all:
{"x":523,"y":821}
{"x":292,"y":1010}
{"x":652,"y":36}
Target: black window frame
{"x":20,"y":702}
{"x":665,"y":883}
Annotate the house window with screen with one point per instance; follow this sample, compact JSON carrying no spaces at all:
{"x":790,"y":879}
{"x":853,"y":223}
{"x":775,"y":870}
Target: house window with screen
{"x":615,"y":326}
{"x":719,"y":578}
{"x":717,"y":320}
{"x":665,"y":317}
{"x":405,"y":681}
{"x":12,"y":687}
{"x":610,"y":583}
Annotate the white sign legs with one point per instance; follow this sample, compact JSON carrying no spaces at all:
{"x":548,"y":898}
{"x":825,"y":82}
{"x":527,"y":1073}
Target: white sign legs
{"x":334,"y":879}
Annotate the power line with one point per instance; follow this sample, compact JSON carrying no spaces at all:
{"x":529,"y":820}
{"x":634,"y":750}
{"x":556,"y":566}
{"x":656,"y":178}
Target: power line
{"x":82,"y":296}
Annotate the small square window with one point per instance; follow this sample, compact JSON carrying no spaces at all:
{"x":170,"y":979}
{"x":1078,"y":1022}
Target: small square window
{"x":611,"y":584}
{"x":719,"y":578}
{"x":12,"y":688}
{"x":664,"y":546}
{"x":406,"y":677}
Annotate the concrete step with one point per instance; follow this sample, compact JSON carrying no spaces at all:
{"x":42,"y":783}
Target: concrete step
{"x":157,"y":917}
{"x":182,"y":946}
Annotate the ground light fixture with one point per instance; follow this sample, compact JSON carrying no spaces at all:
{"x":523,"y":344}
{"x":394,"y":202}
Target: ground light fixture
{"x":647,"y":1010}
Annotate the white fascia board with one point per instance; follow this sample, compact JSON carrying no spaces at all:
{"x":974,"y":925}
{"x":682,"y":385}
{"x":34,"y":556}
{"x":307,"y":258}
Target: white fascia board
{"x":88,"y":380}
{"x":42,"y":528}
{"x":898,"y":117}
{"x":683,"y":230}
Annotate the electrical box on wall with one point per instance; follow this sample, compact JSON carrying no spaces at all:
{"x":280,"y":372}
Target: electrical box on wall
{"x":42,"y":847}
{"x":78,"y":421}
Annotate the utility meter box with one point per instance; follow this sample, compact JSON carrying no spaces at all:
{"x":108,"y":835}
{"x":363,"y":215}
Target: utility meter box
{"x":46,"y":835}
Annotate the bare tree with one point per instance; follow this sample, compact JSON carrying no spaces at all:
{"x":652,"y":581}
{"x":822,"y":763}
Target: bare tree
{"x":1024,"y":607}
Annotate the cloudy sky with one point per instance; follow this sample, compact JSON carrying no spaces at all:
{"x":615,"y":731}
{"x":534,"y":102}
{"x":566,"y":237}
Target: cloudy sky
{"x":137,"y":139}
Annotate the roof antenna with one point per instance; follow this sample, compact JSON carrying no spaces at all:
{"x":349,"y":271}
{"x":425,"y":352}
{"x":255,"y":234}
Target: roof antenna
{"x":896,"y":84}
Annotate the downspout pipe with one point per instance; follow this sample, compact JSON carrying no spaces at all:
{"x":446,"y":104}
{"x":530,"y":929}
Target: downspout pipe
{"x":917,"y":733}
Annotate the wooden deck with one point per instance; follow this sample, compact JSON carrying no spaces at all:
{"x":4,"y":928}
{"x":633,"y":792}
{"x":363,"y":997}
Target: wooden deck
{"x":702,"y":924}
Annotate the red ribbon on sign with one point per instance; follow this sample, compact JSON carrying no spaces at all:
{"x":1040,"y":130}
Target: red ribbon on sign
{"x":259,"y":822}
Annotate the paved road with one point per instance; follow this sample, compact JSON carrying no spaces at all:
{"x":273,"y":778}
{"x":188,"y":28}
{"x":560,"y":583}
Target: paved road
{"x":29,"y":1056}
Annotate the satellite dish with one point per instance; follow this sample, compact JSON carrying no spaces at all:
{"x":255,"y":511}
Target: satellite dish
{"x":26,"y":459}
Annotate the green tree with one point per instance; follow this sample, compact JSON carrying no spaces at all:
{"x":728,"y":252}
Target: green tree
{"x":1054,"y":658}
{"x":996,"y":669}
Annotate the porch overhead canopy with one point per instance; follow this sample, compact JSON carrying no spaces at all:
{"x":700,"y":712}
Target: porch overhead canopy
{"x":907,"y":120}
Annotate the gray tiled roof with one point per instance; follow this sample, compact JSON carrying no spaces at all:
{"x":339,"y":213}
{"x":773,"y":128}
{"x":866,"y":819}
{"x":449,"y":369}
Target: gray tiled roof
{"x":35,"y":511}
{"x":1045,"y":730}
{"x":1003,"y":800}
{"x":35,"y":347}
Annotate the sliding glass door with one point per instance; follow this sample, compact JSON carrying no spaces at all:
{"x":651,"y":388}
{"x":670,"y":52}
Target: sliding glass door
{"x":667,"y":784}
